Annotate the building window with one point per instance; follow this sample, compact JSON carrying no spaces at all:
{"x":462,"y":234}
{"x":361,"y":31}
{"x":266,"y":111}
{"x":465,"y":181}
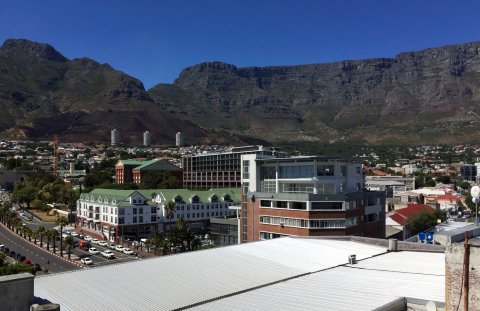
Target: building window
{"x":246,"y":168}
{"x":134,"y":219}
{"x":153,"y":218}
{"x":327,"y":205}
{"x":153,"y":209}
{"x":298,"y":205}
{"x":195,"y":199}
{"x":140,"y":219}
{"x":265,"y":203}
{"x":121,"y":211}
{"x":343,"y":170}
{"x":134,"y":211}
{"x":121,"y":220}
{"x":140,"y":210}
{"x":326,"y":170}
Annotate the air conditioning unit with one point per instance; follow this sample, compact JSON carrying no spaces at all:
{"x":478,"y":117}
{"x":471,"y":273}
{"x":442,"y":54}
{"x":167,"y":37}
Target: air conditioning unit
{"x":282,"y":224}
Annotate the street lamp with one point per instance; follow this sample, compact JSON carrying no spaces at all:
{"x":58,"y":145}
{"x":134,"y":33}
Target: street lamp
{"x":475,"y":192}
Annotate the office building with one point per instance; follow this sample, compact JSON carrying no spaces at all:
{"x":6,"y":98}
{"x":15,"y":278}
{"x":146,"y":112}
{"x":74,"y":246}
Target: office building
{"x":115,"y":137}
{"x":134,"y":171}
{"x":147,"y":139}
{"x":179,"y":140}
{"x":218,"y":169}
{"x":307,"y":196}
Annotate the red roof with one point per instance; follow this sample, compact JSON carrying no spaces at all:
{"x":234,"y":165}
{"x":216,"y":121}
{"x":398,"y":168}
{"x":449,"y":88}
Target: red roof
{"x":401,"y":215}
{"x":448,"y":197}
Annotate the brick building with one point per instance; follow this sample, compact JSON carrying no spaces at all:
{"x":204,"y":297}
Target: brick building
{"x":307,"y":196}
{"x":132,"y":171}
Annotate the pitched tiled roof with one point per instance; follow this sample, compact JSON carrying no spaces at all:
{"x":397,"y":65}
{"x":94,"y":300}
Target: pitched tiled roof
{"x":401,"y":215}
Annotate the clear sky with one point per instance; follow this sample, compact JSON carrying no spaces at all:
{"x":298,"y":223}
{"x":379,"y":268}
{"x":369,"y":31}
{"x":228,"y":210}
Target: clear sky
{"x":154,"y":40}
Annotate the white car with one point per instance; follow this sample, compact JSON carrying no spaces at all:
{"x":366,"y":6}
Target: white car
{"x":93,"y":251}
{"x":74,"y":234}
{"x":108,"y":254}
{"x":88,"y":238}
{"x":86,"y":261}
{"x":94,"y":241}
{"x":119,"y":248}
{"x":102,"y":243}
{"x":127,"y":251}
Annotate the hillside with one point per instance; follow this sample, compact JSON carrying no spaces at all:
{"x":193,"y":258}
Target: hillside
{"x":429,"y":96}
{"x":43,"y":93}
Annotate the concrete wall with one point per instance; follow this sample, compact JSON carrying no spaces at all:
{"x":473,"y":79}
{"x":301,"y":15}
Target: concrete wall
{"x":16,"y":292}
{"x":454,"y":271}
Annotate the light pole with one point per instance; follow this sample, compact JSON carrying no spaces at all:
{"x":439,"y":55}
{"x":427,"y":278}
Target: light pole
{"x":475,"y":192}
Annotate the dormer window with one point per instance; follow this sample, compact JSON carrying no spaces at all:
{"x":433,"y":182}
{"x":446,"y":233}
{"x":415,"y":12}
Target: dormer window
{"x":178,"y":199}
{"x":214,"y":199}
{"x":195,"y":199}
{"x":227,"y":198}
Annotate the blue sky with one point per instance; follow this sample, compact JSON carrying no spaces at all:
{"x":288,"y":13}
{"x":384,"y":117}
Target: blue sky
{"x":154,"y":40}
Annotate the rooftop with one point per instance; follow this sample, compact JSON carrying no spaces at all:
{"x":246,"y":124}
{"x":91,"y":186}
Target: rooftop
{"x":279,"y":274}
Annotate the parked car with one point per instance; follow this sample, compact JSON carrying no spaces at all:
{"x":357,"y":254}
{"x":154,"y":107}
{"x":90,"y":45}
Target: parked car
{"x":85,"y":245}
{"x":102,"y":243}
{"x":127,"y":251}
{"x":94,"y":241}
{"x":2,"y":247}
{"x":88,"y":238}
{"x":26,"y":262}
{"x":108,"y":254}
{"x":74,"y":234}
{"x":119,"y":248}
{"x":37,"y":267}
{"x":111,"y":246}
{"x":86,"y":261}
{"x":93,"y":251}
{"x":6,"y":250}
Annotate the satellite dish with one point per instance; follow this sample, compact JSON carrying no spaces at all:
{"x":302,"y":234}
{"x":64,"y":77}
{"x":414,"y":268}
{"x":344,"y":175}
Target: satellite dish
{"x":475,"y":191}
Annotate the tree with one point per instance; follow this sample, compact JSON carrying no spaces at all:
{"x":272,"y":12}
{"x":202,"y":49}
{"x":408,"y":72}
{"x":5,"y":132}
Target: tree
{"x":444,"y":179}
{"x":55,"y":235}
{"x":159,"y":242}
{"x":41,"y":233}
{"x":424,"y":220}
{"x":24,"y":194}
{"x":69,"y":242}
{"x":170,"y":210}
{"x":62,"y":222}
{"x":49,"y":236}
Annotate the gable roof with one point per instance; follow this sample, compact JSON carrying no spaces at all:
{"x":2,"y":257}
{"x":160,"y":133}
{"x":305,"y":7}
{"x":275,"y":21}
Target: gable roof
{"x":157,"y":165}
{"x":402,"y":215}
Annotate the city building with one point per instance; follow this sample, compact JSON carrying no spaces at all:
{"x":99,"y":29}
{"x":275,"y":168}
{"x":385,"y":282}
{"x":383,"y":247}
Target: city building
{"x":115,"y":137}
{"x":408,"y":182}
{"x":147,"y":139}
{"x":137,"y":213}
{"x":179,"y":140}
{"x":307,"y":196}
{"x":217,"y":169}
{"x":468,"y":172}
{"x":134,"y":171}
{"x":224,"y":230}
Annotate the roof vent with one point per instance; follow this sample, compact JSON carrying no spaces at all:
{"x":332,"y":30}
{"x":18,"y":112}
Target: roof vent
{"x":352,"y":259}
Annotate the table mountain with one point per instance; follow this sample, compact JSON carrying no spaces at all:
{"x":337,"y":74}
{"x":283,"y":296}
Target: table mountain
{"x":423,"y":97}
{"x":43,"y":93}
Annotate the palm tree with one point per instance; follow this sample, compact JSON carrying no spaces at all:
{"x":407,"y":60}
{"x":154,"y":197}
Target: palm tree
{"x":41,"y":232}
{"x":157,"y":240}
{"x":54,"y":235}
{"x":69,"y":241}
{"x":34,"y":236}
{"x":170,"y":211}
{"x":61,"y":221}
{"x":28,"y":232}
{"x":196,"y":243}
{"x":49,"y":236}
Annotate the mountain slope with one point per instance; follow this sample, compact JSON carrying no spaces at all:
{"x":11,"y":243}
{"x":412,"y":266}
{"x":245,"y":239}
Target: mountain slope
{"x":43,"y":93}
{"x":429,"y":96}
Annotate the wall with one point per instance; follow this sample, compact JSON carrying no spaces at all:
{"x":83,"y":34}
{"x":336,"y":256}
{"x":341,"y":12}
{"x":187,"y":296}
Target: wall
{"x":16,"y":292}
{"x":454,"y":292}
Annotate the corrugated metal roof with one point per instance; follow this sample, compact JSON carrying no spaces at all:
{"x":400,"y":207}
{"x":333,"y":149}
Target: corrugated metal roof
{"x":370,"y":284}
{"x":178,"y":281}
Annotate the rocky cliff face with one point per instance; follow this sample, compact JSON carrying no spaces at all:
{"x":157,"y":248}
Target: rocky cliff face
{"x":43,"y":93}
{"x":429,"y":96}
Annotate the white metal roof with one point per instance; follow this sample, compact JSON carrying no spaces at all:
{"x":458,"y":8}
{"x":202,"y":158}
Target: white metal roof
{"x":178,"y":281}
{"x":367,"y":285}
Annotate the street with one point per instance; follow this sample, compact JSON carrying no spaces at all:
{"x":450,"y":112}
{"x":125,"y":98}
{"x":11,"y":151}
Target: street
{"x":33,"y":253}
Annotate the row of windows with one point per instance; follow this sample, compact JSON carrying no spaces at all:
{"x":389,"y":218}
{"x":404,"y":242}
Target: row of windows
{"x":309,"y":223}
{"x":314,"y":206}
{"x":202,"y":214}
{"x":198,"y":207}
{"x":303,"y":171}
{"x":195,"y":199}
